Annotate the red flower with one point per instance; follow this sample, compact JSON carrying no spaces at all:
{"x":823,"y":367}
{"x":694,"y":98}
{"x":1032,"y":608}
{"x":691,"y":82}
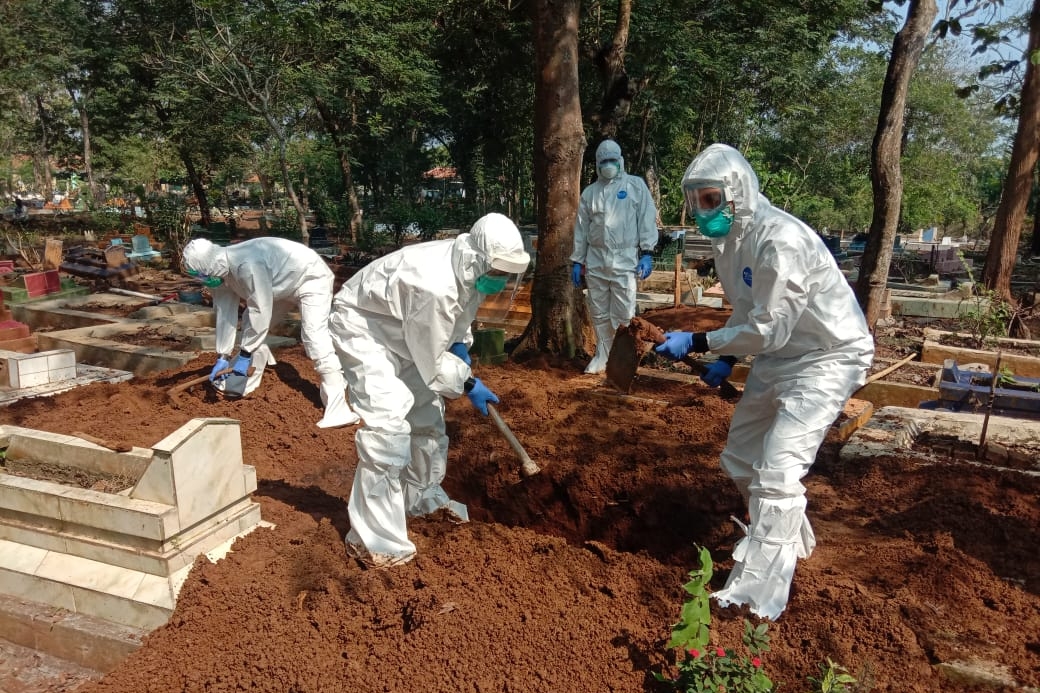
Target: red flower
{"x":756,"y":662}
{"x":694,"y":653}
{"x":719,"y":652}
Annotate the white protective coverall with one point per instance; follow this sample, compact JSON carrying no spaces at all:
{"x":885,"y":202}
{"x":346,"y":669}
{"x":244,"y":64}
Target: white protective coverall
{"x":617,"y":219}
{"x":274,"y":276}
{"x":795,"y":311}
{"x":392,"y":324}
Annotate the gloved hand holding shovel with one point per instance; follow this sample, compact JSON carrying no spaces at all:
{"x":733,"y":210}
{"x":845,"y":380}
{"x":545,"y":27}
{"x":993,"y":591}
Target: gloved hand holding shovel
{"x":624,"y":355}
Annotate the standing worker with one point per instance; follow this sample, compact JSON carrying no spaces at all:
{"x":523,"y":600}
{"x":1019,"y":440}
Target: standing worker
{"x":614,"y":237}
{"x":273,"y":276}
{"x":796,"y":313}
{"x":402,"y":329}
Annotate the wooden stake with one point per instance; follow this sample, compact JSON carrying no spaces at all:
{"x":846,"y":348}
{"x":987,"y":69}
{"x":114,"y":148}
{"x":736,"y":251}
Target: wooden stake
{"x":981,"y":452}
{"x":678,"y":286}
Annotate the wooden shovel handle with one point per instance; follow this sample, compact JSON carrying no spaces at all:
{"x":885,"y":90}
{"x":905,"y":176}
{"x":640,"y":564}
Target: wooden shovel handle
{"x":527,"y":465}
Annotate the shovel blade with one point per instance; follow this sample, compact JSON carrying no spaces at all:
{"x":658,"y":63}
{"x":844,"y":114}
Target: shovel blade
{"x":235,"y":386}
{"x":623,"y":361}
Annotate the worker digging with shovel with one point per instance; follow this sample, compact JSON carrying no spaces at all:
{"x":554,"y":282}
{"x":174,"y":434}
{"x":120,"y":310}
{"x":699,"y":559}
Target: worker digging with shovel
{"x":795,"y":312}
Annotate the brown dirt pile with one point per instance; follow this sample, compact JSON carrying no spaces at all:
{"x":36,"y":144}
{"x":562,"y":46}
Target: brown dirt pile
{"x":569,"y":580}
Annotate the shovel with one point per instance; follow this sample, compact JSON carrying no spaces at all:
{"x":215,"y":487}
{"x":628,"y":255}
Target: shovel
{"x":625,"y":354}
{"x":527,"y":465}
{"x":173,"y":393}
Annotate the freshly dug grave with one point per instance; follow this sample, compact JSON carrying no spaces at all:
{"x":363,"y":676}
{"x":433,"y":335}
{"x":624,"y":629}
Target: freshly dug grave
{"x":569,"y":580}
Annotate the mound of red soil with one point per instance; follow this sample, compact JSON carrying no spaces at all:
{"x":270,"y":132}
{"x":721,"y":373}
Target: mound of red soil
{"x":571,"y":579}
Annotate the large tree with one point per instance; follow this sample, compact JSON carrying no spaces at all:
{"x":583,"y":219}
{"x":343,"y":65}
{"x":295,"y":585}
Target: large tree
{"x":886,"y":170}
{"x":558,"y":314}
{"x":1007,"y":230}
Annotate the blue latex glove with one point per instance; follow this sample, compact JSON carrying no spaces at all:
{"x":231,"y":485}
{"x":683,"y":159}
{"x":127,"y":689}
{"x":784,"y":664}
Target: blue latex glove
{"x":221,"y":365}
{"x":480,"y":395}
{"x":645,"y":266}
{"x":714,"y":374}
{"x":462,"y":351}
{"x":576,"y":275}
{"x":675,"y":345}
{"x":242,"y":364}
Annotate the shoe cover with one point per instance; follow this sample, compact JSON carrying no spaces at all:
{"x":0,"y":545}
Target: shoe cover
{"x":375,"y":560}
{"x":460,"y":511}
{"x":604,"y":340}
{"x":765,"y":559}
{"x":333,"y":396}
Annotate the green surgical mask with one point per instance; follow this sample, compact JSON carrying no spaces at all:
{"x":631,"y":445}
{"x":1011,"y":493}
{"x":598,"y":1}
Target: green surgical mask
{"x":487,"y":284}
{"x":207,"y":281}
{"x":715,"y":224}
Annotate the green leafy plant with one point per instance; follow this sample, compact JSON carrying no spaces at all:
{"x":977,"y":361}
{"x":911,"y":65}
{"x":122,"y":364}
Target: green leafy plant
{"x":1006,"y":378}
{"x":705,"y":669}
{"x":987,"y":317}
{"x":834,"y":678}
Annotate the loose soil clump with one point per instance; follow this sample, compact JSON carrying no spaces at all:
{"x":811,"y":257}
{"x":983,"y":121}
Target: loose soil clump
{"x":569,"y":580}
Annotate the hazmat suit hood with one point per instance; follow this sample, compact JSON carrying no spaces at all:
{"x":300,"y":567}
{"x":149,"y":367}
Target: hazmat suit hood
{"x":494,"y":242}
{"x":720,"y":165}
{"x":609,"y":149}
{"x":204,"y":257}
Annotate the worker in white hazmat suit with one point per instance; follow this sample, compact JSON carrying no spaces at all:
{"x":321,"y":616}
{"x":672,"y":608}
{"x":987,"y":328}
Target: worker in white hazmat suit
{"x":402,"y":328}
{"x":273,"y":276}
{"x":796,"y":313}
{"x":614,"y":237}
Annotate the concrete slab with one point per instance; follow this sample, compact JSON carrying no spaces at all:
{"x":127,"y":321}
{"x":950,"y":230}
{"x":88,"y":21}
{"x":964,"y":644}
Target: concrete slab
{"x":121,"y":556}
{"x":85,"y":374}
{"x":1012,"y":444}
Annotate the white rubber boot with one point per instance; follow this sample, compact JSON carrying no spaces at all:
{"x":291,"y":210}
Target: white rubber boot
{"x":334,"y":397}
{"x":604,"y":340}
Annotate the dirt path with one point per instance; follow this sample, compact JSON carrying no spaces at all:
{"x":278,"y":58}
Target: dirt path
{"x":569,"y":580}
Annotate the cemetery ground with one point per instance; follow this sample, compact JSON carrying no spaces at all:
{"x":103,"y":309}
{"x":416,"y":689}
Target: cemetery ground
{"x":570,"y":580}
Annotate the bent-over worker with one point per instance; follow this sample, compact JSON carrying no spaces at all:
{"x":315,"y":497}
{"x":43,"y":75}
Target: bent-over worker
{"x":402,"y":328}
{"x":273,"y":276}
{"x":796,"y":313}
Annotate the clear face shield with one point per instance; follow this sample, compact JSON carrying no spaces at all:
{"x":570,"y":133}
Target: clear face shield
{"x":711,"y":206}
{"x":705,"y":197}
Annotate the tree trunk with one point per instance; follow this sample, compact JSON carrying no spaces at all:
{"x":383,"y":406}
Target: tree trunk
{"x":42,"y":155}
{"x":1035,"y":247}
{"x":197,"y":187}
{"x":88,"y":164}
{"x":1007,"y":225}
{"x":886,"y":175}
{"x":346,"y":172}
{"x":290,"y":189}
{"x":618,"y":89}
{"x":558,"y":313}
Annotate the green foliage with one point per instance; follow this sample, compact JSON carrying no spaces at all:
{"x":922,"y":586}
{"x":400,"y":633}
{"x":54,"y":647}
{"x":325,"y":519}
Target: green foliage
{"x":403,"y":218}
{"x":704,"y":669}
{"x":692,"y":629}
{"x":105,"y":221}
{"x":834,"y":678}
{"x":372,"y":242}
{"x":987,"y":315}
{"x":429,"y":219}
{"x":285,"y":223}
